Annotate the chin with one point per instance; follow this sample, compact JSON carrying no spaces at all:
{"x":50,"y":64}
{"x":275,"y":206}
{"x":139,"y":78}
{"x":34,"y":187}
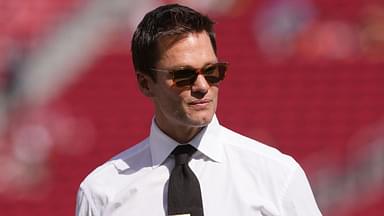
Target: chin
{"x":201,"y":120}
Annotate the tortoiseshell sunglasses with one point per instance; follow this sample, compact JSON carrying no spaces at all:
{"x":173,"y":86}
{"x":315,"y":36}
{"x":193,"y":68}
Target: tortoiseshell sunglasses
{"x":186,"y":76}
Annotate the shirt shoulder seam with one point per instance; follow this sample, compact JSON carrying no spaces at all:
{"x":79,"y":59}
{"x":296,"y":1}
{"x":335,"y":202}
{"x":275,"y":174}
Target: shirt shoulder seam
{"x":84,"y":190}
{"x":288,"y":181}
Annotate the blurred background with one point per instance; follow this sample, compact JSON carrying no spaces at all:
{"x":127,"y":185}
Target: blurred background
{"x":306,"y":76}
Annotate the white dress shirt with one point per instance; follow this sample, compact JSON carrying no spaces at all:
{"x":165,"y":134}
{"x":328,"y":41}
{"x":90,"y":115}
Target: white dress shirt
{"x":237,"y":175}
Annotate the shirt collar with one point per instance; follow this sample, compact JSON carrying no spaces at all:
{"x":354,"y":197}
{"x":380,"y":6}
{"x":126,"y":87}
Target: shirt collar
{"x":207,"y":142}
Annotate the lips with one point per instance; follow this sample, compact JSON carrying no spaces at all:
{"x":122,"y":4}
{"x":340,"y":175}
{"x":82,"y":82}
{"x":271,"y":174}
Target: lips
{"x":200,"y":102}
{"x":200,"y":105}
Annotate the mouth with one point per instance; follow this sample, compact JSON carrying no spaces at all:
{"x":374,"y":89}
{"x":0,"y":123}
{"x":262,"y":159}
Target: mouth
{"x":200,"y":104}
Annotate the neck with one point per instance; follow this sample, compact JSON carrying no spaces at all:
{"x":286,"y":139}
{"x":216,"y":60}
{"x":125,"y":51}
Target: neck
{"x":180,"y":133}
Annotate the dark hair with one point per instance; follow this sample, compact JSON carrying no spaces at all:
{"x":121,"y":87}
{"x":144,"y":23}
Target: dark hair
{"x":165,"y":21}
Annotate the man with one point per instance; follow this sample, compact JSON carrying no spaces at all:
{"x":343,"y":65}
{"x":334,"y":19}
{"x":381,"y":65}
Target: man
{"x":213,"y":171}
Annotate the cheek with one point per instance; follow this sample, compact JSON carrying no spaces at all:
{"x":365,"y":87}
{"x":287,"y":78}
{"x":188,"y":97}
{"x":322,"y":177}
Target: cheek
{"x":172,"y":99}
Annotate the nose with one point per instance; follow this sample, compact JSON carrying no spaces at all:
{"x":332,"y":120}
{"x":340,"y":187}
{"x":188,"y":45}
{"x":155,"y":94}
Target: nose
{"x":200,"y":85}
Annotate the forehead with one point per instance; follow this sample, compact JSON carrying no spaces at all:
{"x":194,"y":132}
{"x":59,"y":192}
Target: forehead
{"x":192,"y":49}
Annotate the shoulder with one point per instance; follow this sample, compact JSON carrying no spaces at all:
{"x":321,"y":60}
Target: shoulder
{"x":257,"y":162}
{"x":256,"y":153}
{"x":103,"y":179}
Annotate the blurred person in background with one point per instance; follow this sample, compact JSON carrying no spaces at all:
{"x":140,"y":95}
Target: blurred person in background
{"x":190,"y":164}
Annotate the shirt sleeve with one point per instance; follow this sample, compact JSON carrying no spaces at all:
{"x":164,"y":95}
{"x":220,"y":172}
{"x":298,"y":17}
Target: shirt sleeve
{"x":84,"y":206}
{"x":298,"y":199}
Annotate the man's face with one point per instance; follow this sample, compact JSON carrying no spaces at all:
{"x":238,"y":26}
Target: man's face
{"x":184,"y":108}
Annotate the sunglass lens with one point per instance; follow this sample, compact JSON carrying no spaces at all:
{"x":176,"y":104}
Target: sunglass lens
{"x":184,"y":77}
{"x":215,"y":73}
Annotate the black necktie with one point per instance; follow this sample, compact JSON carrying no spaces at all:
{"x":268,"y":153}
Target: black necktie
{"x":184,"y":195}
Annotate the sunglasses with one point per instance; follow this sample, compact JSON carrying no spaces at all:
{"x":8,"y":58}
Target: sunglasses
{"x":186,"y":76}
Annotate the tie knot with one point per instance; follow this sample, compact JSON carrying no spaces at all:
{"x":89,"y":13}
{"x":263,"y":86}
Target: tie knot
{"x":183,"y":154}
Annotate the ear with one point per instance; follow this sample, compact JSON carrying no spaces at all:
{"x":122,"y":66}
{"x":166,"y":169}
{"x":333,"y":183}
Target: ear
{"x":145,"y":83}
